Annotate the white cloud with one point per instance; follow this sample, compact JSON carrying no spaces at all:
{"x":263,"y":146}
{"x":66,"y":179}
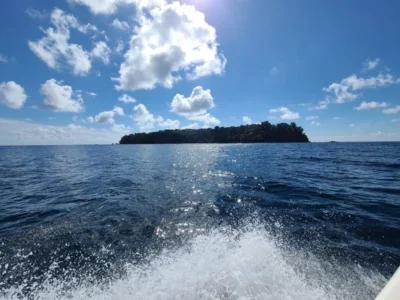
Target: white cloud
{"x":345,"y":91}
{"x":395,"y":120}
{"x":106,"y":116}
{"x":146,"y":121}
{"x":102,"y":51}
{"x":142,"y":114}
{"x":91,"y":94}
{"x":121,"y":25}
{"x":59,"y":97}
{"x":392,"y":110}
{"x":286,"y":113}
{"x":54,"y":48}
{"x":371,"y":64}
{"x":274,"y":71}
{"x":191,"y":126}
{"x":3,"y":59}
{"x":36,"y":14}
{"x":315,"y":123}
{"x":371,"y":105}
{"x":120,"y":128}
{"x":170,"y":124}
{"x":321,"y":105}
{"x":310,"y":118}
{"x":118,"y":110}
{"x":110,"y":6}
{"x":247,"y":120}
{"x":194,"y":107}
{"x":341,"y":93}
{"x":120,"y":47}
{"x":12,"y":95}
{"x":170,"y":41}
{"x":13,"y":132}
{"x":207,"y":119}
{"x":143,"y":118}
{"x":197,"y":103}
{"x":126,"y":99}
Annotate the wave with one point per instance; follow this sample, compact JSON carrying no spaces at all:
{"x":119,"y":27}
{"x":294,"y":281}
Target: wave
{"x":225,"y":263}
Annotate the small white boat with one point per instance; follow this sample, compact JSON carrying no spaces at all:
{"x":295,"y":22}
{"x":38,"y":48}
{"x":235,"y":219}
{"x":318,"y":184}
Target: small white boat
{"x":392,"y":289}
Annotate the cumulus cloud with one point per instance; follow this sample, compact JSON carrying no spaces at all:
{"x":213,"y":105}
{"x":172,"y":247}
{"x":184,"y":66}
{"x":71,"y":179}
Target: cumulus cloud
{"x":106,"y":116}
{"x":310,"y":118}
{"x":170,"y":41}
{"x":110,"y":6}
{"x":118,"y":110}
{"x":55,"y":49}
{"x":146,"y":121}
{"x":143,"y":118}
{"x":194,"y":107}
{"x":126,"y":99}
{"x":169,"y":124}
{"x":286,"y":113}
{"x":121,"y":25}
{"x":392,"y":110}
{"x":3,"y":59}
{"x":247,"y":120}
{"x":207,"y":119}
{"x":371,"y":105}
{"x":102,"y":51}
{"x":347,"y":89}
{"x":197,"y":103}
{"x":12,"y":95}
{"x":119,"y":128}
{"x":13,"y":132}
{"x":59,"y":97}
{"x":371,"y":64}
{"x":142,"y":114}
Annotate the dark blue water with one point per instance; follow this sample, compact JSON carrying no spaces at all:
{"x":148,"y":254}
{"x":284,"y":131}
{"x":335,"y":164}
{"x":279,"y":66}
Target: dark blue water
{"x":274,"y":221}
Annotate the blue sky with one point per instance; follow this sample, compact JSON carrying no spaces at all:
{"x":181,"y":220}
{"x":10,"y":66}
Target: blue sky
{"x":88,"y":71}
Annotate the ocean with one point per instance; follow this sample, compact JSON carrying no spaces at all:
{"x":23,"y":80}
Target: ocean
{"x":205,"y":221}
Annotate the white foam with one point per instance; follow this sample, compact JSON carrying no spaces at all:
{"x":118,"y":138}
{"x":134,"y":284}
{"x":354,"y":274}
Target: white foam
{"x":227,"y":264}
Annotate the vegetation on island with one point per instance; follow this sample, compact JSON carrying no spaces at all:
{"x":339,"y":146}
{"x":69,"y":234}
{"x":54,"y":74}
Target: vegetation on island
{"x":255,"y":133}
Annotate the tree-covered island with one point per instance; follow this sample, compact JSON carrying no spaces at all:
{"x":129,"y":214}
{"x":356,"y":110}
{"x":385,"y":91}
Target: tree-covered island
{"x":255,"y":133}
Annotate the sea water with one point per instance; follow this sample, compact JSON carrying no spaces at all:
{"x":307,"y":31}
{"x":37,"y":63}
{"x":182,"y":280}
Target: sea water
{"x":273,"y":221}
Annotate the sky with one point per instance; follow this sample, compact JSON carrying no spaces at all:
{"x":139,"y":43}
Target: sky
{"x":91,"y":71}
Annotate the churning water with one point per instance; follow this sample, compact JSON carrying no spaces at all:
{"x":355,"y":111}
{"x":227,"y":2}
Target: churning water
{"x":298,"y":221}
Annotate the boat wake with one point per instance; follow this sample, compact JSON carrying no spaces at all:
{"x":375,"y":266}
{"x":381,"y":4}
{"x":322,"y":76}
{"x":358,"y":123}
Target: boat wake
{"x":224,"y":263}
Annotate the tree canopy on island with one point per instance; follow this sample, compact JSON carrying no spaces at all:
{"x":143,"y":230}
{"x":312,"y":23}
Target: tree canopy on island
{"x":255,"y":133}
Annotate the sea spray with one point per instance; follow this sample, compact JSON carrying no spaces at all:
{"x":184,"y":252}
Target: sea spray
{"x":224,"y":263}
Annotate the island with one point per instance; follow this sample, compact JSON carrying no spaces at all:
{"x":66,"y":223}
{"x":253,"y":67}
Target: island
{"x":255,"y":133}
